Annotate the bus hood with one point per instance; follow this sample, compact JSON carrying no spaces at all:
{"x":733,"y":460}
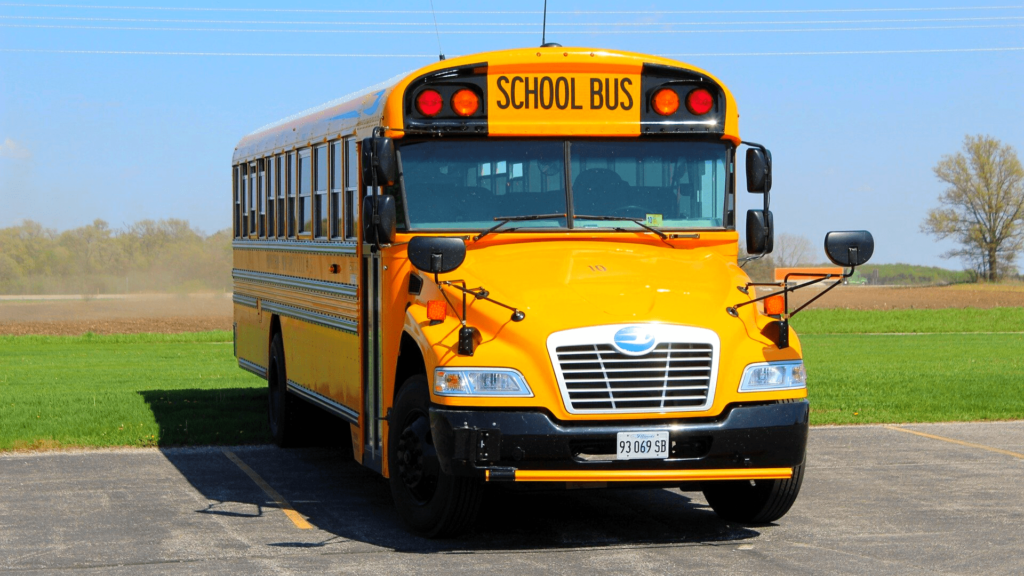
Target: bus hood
{"x":569,"y":284}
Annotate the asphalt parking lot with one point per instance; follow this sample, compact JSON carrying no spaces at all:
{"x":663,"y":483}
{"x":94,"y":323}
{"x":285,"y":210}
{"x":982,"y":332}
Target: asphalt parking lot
{"x":875,"y":500}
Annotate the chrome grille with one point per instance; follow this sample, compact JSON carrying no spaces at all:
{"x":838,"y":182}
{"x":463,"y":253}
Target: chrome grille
{"x":598,"y":378}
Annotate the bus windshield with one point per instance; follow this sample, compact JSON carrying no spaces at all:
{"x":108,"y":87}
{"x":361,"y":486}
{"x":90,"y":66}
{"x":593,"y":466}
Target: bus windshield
{"x":465,"y":185}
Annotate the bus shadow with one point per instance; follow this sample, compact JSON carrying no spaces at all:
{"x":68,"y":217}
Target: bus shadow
{"x":350,"y":504}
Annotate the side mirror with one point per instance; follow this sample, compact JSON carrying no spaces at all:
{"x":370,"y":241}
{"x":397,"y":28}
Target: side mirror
{"x":850,"y":248}
{"x":435,"y":254}
{"x":759,"y":170}
{"x":383,"y":229}
{"x":379,"y":161}
{"x":760,"y":232}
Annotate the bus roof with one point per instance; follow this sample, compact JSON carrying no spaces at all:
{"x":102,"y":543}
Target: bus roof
{"x":358,"y":113}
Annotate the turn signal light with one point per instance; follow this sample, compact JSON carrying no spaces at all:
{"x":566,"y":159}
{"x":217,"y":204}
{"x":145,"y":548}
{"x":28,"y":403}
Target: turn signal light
{"x":774,"y":305}
{"x":699,"y":102}
{"x":437,"y":309}
{"x":429,"y":102}
{"x":465,"y":102}
{"x":666,"y":101}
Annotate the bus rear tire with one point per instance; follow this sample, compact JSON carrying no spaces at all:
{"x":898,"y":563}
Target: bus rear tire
{"x":432,"y":503}
{"x":281,"y":405}
{"x":761,"y":503}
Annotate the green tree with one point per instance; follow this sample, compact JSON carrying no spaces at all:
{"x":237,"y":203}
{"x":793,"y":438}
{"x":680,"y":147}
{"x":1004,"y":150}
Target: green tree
{"x":983,"y":207}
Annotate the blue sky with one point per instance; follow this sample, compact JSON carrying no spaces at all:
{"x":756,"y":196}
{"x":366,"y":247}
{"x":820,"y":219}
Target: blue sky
{"x":854,"y":135}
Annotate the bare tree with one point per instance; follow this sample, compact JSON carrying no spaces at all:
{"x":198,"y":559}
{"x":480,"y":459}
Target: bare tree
{"x":792,"y":250}
{"x":983,"y":207}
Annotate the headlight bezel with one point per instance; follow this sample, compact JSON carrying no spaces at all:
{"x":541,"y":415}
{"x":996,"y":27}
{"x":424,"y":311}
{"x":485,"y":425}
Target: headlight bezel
{"x":470,"y":382}
{"x":793,"y":376}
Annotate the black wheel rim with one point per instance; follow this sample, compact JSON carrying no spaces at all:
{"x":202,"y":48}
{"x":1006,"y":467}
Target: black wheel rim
{"x":418,"y":467}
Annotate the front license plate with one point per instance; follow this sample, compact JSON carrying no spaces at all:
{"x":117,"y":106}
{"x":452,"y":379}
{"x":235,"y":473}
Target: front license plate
{"x":641,"y":445}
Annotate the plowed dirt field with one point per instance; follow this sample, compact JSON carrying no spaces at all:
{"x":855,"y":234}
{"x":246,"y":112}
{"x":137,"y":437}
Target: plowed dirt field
{"x":74,"y":315}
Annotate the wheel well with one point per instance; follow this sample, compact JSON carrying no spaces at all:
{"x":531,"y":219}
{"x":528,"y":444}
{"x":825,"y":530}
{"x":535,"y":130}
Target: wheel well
{"x":410,"y":362}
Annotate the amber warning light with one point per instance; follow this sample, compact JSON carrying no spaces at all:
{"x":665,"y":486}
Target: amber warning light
{"x":774,"y":305}
{"x":465,"y":102}
{"x":666,"y":102}
{"x":437,"y":309}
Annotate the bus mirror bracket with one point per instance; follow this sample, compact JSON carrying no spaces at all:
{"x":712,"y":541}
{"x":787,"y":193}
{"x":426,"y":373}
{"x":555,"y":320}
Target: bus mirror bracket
{"x":760,"y":227}
{"x":847,"y":249}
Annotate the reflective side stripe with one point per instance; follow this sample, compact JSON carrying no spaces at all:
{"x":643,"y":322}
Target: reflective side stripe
{"x":253,"y":367}
{"x":348,"y":291}
{"x":339,"y":248}
{"x":338,"y":323}
{"x":332,"y":406}
{"x":243,"y":300}
{"x":639,"y":475}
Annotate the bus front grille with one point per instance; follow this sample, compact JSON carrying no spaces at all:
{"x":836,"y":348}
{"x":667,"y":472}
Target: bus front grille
{"x":673,"y":376}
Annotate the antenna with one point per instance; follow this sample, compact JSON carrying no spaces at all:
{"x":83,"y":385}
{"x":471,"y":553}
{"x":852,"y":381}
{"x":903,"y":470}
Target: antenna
{"x":544,"y":27}
{"x":432,"y":14}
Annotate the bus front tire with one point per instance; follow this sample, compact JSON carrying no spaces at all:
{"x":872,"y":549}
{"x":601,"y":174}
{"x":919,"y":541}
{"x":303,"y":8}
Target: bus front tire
{"x":281,"y":405}
{"x":432,"y":503}
{"x":762,"y":502}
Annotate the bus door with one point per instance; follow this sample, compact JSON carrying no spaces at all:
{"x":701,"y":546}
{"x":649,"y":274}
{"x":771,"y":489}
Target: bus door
{"x":372,"y":294}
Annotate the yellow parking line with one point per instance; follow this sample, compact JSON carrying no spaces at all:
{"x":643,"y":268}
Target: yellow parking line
{"x":961,"y":442}
{"x":283,"y":504}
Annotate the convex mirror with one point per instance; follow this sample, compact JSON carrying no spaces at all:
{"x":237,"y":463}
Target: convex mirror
{"x":437,"y":254}
{"x":379,"y":161}
{"x":760,"y":232}
{"x":382,"y":229}
{"x":759,"y":170}
{"x":849,"y":248}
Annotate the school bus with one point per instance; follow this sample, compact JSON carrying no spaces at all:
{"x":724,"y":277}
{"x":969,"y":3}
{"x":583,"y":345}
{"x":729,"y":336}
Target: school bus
{"x":522,"y":267}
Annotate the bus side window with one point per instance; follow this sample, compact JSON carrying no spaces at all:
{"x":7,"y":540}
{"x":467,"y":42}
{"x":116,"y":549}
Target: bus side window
{"x":351,"y":188}
{"x":337,"y":221}
{"x":280,"y":183}
{"x":237,"y":200}
{"x":261,"y":186}
{"x":305,"y":186}
{"x":320,"y":184}
{"x":243,"y":213}
{"x":271,"y":196}
{"x":252,"y":200}
{"x":290,"y":186}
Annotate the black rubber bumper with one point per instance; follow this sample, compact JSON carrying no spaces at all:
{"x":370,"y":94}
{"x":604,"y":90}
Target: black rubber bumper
{"x":472,"y":442}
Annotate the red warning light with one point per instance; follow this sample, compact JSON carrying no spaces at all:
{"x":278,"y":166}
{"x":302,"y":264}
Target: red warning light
{"x":429,"y":102}
{"x":699,"y":102}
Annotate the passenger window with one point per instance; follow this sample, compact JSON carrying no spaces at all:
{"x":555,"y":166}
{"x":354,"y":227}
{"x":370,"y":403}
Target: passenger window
{"x":337,"y":210}
{"x":290,"y":185}
{"x":320,"y":220}
{"x":237,"y":199}
{"x":271,"y":197}
{"x":252,"y":200}
{"x":281,"y":210}
{"x":305,"y":185}
{"x":261,"y":181}
{"x":351,"y":188}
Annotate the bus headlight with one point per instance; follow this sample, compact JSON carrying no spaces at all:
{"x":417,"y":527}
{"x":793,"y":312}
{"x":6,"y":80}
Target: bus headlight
{"x":480,"y":382}
{"x":774,"y":376}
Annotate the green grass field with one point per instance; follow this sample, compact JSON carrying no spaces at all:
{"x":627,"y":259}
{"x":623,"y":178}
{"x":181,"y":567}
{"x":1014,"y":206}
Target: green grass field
{"x":160,"y":389}
{"x":131,"y":390}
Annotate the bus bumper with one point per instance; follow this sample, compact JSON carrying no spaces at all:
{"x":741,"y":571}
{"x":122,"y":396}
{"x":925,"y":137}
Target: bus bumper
{"x":746,"y":443}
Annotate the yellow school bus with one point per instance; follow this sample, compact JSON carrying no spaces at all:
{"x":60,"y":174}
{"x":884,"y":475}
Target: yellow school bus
{"x":522,"y":267}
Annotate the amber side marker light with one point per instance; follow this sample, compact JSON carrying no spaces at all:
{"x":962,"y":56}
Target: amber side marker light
{"x":465,"y":102}
{"x":429,"y":102}
{"x":774,"y":305}
{"x":437,"y":309}
{"x":699,"y":102}
{"x":665,"y":101}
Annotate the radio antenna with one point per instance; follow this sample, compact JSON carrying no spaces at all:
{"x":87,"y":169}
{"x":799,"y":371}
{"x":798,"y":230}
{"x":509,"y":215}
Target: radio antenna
{"x":544,"y":26}
{"x":439,"y":50}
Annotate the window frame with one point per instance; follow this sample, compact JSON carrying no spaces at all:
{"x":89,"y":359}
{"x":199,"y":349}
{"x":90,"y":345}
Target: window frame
{"x":291,"y":162}
{"x":320,"y":153}
{"x":300,"y":232}
{"x":350,"y":193}
{"x":270,"y":198}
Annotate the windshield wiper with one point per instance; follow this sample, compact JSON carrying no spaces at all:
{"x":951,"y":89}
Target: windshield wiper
{"x":637,"y":221}
{"x":502,"y":220}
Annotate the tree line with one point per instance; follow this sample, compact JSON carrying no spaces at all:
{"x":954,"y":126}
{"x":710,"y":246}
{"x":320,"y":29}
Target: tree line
{"x":147,"y":256}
